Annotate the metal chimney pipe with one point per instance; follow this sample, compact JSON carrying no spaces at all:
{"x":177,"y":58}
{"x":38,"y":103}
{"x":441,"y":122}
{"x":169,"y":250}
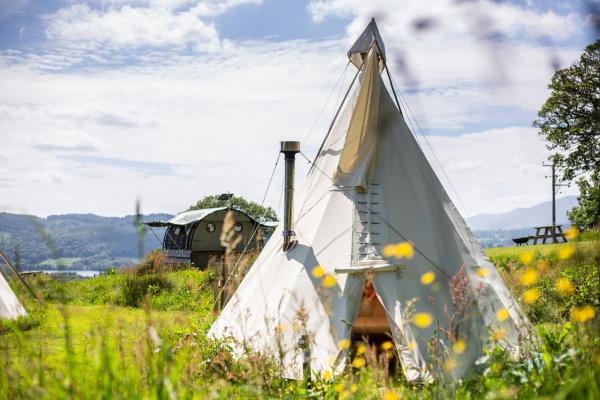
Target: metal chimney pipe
{"x":289,"y":149}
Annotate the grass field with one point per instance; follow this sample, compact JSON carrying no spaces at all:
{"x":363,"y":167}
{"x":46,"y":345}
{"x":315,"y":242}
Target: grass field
{"x":141,"y":334}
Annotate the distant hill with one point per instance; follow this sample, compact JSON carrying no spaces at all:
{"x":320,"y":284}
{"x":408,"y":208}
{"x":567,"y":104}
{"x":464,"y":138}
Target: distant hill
{"x":538,"y":215}
{"x":92,"y":242}
{"x":73,"y":241}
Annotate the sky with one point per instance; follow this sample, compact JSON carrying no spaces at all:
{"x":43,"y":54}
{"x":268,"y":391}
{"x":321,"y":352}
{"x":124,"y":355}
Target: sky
{"x":106,"y":102}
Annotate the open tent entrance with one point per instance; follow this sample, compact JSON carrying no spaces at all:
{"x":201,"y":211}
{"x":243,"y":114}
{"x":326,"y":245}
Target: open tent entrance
{"x":371,"y":325}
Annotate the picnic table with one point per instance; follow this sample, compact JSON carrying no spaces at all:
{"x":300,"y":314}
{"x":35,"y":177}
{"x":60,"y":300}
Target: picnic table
{"x":543,"y":233}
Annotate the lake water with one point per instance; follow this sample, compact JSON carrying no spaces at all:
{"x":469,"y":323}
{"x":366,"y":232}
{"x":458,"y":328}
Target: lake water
{"x":83,"y":273}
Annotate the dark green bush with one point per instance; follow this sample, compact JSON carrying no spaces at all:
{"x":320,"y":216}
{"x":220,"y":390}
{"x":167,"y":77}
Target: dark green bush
{"x":136,"y":287}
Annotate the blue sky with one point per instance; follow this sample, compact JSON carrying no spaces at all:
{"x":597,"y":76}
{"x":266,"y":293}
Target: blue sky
{"x":107,"y":101}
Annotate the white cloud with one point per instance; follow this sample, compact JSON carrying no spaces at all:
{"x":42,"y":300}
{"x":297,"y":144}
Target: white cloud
{"x":211,"y":122}
{"x":481,"y":17}
{"x":493,"y":171}
{"x":156,"y":23}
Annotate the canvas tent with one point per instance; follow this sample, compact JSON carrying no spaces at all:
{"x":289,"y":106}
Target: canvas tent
{"x":371,"y":185}
{"x":10,"y":307}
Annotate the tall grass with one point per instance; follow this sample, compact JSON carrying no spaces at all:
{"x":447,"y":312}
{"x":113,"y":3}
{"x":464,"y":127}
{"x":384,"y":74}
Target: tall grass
{"x":81,"y":346}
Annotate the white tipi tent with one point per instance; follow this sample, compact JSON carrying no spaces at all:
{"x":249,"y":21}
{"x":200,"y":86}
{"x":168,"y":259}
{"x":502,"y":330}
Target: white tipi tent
{"x":371,"y":185}
{"x":10,"y":306}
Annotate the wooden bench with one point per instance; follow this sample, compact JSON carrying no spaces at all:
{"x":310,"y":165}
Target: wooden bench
{"x":522,"y":240}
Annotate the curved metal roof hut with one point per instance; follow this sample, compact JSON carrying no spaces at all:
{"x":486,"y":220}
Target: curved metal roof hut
{"x":194,"y":236}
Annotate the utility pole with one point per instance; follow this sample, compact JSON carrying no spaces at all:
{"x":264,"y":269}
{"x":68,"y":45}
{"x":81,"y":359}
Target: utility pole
{"x":553,"y":166}
{"x":555,"y":187}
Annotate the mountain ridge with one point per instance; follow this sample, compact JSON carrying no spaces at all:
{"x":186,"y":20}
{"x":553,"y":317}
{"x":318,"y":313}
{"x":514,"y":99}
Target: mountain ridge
{"x":524,"y":217}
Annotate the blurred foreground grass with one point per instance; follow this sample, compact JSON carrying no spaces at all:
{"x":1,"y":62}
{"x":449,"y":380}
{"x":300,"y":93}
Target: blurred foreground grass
{"x":142,"y":334}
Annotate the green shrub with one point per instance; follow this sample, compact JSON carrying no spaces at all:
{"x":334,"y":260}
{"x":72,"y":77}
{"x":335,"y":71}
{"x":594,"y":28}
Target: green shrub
{"x":136,"y":287}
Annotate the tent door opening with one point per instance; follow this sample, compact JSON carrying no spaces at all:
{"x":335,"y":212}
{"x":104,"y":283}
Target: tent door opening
{"x":371,"y":325}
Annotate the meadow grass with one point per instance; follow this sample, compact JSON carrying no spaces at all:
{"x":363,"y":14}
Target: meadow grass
{"x":81,"y":341}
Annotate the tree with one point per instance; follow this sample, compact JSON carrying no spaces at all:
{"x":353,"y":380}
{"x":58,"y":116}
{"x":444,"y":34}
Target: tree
{"x":587,"y":213}
{"x":251,"y":208}
{"x":570,"y":122}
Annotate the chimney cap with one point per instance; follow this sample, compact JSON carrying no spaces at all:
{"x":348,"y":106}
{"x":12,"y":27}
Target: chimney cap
{"x":290,"y":147}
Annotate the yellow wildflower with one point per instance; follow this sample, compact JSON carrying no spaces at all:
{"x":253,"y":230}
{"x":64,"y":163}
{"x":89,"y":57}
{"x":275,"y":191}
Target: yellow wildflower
{"x":422,"y":320}
{"x":328,"y":281}
{"x":566,"y":252}
{"x":354,"y":388}
{"x":565,"y":287}
{"x":459,"y":346}
{"x":361,"y":349}
{"x":482,"y":272}
{"x":358,"y":362}
{"x":387,"y":345}
{"x":344,"y":344}
{"x":583,"y":314}
{"x":543,"y":266}
{"x":526,"y":257}
{"x":572,"y":233}
{"x":339,"y":387}
{"x":450,"y":364}
{"x":528,"y":277}
{"x":531,"y":295}
{"x":499,"y":334}
{"x":391,"y":396}
{"x":427,"y":278}
{"x":502,"y":314}
{"x":318,"y":272}
{"x":327,"y":375}
{"x":400,"y":250}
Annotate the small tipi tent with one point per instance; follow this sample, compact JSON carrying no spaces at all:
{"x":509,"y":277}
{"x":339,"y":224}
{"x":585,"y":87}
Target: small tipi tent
{"x":370,"y":186}
{"x":10,"y":306}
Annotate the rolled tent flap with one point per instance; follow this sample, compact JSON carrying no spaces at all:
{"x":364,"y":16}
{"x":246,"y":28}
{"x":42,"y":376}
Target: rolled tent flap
{"x":361,"y":138}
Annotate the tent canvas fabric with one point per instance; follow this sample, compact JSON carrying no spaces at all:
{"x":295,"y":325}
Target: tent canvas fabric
{"x":10,"y":307}
{"x":371,"y":185}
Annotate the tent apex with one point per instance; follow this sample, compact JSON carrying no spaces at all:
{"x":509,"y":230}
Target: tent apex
{"x":359,"y":50}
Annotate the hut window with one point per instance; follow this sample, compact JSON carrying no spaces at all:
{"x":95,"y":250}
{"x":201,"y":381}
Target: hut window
{"x":210,"y":227}
{"x":238,"y":227}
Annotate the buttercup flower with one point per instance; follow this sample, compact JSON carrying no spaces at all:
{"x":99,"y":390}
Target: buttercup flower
{"x":358,"y":362}
{"x":459,"y":346}
{"x":391,"y":396}
{"x":502,"y":314}
{"x":583,"y":314}
{"x":361,"y":349}
{"x":526,"y":257}
{"x":328,"y":281}
{"x":422,"y":320}
{"x":572,"y":233}
{"x":427,"y":278}
{"x":565,"y":287}
{"x":400,"y":250}
{"x":531,"y":295}
{"x":566,"y":252}
{"x":318,"y":272}
{"x":528,"y":277}
{"x":387,"y":345}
